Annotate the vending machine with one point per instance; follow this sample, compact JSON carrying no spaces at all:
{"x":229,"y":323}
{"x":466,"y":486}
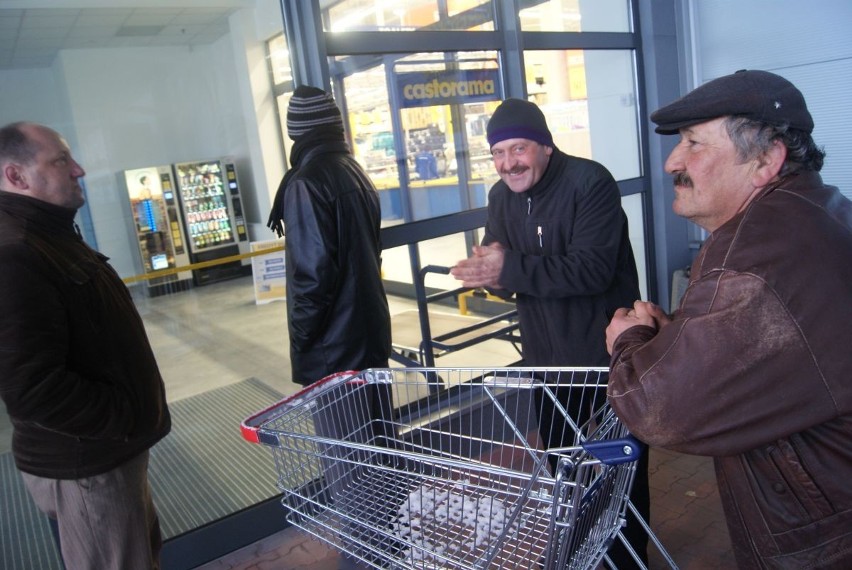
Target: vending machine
{"x":213,"y":219}
{"x":158,"y":228}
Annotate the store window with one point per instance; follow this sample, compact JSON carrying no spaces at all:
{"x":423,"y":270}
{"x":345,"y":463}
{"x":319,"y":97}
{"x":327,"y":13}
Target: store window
{"x":409,"y":15}
{"x":280,"y":69}
{"x":417,"y":125}
{"x":588,"y":97}
{"x":279,"y":60}
{"x":576,"y":16}
{"x":429,"y":157}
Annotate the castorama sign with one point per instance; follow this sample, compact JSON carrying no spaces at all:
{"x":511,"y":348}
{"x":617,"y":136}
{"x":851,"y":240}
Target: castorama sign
{"x":425,"y":89}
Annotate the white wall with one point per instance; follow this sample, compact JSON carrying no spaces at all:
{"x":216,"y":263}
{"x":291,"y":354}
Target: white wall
{"x":135,"y":107}
{"x":808,"y":43}
{"x":30,"y":95}
{"x":124,"y":108}
{"x":249,"y":33}
{"x":37,"y":95}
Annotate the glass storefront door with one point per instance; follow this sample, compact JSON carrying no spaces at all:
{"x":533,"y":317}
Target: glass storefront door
{"x":417,"y":124}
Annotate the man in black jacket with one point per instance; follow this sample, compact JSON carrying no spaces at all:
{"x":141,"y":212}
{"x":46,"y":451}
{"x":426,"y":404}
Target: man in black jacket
{"x":338,"y":316}
{"x":77,"y":373}
{"x":337,"y":312}
{"x":556,"y":238}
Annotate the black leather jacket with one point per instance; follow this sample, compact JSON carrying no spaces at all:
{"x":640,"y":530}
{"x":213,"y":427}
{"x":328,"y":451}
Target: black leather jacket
{"x":77,"y":373}
{"x":338,"y":316}
{"x":755,"y":370}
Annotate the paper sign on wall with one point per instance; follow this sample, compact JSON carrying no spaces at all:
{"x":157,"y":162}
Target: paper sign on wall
{"x":270,"y":274}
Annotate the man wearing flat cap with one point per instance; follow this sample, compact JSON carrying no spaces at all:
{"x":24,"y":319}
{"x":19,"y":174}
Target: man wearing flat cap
{"x":754,"y":367}
{"x":556,"y":238}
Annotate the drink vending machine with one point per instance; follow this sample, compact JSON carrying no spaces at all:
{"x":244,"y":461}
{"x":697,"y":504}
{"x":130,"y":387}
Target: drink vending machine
{"x":213,"y":218}
{"x":158,"y":227}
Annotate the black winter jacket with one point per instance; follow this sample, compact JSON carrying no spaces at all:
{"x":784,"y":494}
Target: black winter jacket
{"x":77,"y":373}
{"x":567,"y":258}
{"x":338,"y":316}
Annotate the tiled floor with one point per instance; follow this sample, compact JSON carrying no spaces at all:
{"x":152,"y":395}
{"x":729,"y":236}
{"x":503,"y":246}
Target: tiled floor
{"x":686,"y":513}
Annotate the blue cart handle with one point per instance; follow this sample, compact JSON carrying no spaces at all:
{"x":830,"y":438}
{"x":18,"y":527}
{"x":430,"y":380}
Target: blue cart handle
{"x":614,"y":451}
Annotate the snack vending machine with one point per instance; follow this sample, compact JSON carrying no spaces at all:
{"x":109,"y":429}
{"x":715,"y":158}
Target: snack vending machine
{"x":213,"y":217}
{"x":158,"y":227}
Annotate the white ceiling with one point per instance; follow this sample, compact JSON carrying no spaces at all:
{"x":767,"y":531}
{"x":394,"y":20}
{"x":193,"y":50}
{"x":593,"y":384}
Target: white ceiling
{"x":33,"y":31}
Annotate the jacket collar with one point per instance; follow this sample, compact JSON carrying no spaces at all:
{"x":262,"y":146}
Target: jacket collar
{"x":38,"y":213}
{"x":551,"y":175}
{"x":800,"y":180}
{"x":793,"y":181}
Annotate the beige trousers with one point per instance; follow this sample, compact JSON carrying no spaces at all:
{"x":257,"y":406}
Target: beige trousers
{"x":106,"y":522}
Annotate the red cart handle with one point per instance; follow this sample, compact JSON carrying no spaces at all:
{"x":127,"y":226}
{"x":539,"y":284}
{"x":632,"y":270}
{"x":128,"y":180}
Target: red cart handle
{"x":250,"y":426}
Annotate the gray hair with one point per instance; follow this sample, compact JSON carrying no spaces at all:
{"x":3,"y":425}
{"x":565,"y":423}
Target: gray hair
{"x":753,"y":138}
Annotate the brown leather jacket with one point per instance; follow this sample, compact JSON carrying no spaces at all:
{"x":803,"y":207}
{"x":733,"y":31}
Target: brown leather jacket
{"x":755,"y":370}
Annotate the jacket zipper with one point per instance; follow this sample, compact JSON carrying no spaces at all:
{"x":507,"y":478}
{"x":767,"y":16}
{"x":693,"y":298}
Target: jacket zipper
{"x":539,"y":230}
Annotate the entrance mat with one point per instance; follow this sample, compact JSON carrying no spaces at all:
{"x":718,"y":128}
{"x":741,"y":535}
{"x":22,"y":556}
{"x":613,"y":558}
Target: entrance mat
{"x":201,"y":472}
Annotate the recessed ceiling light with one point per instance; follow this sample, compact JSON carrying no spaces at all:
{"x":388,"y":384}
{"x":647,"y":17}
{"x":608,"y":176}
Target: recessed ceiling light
{"x":139,"y":31}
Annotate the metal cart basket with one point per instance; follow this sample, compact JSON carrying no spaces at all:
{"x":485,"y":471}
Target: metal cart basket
{"x":431,"y":468}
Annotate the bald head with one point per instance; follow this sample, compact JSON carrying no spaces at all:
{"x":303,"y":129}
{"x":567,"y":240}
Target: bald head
{"x":35,"y":161}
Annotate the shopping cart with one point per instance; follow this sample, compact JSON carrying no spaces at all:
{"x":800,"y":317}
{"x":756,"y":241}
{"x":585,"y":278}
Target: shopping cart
{"x":431,"y":468}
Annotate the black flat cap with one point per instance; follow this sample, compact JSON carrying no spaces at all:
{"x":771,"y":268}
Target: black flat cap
{"x":755,"y":94}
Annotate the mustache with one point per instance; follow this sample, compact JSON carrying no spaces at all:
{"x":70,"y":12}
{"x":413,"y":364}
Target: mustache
{"x":682,"y":179}
{"x":514,"y":170}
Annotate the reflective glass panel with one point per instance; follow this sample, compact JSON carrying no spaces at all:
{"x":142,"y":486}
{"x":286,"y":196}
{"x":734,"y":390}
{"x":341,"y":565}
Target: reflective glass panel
{"x":417,"y":124}
{"x":409,"y":15}
{"x":576,"y":16}
{"x":589,"y":99}
{"x":636,"y":228}
{"x":279,"y":59}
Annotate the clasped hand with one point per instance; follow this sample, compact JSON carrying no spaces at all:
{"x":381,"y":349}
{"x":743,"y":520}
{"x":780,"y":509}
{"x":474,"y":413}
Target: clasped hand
{"x":642,"y":313}
{"x":482,"y":269}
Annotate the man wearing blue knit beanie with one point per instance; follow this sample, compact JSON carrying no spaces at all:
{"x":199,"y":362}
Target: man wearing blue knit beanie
{"x":556,"y":238}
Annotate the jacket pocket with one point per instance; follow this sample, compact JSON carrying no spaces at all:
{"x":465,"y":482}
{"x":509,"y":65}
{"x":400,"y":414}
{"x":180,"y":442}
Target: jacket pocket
{"x":786,"y":493}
